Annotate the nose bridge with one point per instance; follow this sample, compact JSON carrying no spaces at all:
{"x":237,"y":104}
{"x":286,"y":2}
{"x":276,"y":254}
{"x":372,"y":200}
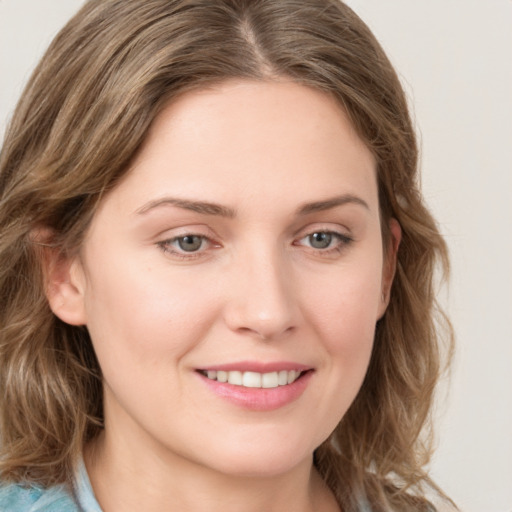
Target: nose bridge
{"x":262,"y":302}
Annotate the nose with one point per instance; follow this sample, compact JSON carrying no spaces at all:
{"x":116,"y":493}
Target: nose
{"x":262,"y":302}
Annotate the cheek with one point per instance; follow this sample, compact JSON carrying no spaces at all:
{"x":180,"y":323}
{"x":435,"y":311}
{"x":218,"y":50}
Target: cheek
{"x":344,"y":316}
{"x":341,"y":311}
{"x":143,"y":314}
{"x":348,"y":331}
{"x":345,"y":305}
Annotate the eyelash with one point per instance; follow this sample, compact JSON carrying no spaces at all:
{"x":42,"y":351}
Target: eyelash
{"x":167,"y":246}
{"x":342,"y":240}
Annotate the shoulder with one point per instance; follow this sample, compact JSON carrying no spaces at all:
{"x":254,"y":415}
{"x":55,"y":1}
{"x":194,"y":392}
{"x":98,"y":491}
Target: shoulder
{"x":16,"y":498}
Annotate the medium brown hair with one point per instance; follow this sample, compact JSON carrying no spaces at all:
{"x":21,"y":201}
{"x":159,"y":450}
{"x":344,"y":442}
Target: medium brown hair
{"x":81,"y":120}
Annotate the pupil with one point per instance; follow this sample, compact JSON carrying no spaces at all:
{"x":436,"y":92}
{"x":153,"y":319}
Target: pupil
{"x":190,"y":243}
{"x":320,"y":240}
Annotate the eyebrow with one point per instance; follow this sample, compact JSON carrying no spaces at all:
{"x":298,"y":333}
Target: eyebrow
{"x":207,"y":208}
{"x":333,"y":202}
{"x":202,"y":207}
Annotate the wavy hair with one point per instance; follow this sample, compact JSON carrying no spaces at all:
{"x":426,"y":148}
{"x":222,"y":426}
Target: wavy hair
{"x":81,"y":120}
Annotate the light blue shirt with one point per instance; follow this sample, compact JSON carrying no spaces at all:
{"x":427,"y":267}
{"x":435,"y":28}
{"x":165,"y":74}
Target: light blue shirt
{"x":14,"y":498}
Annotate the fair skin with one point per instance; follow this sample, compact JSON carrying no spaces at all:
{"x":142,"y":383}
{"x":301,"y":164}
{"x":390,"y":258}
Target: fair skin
{"x":245,"y":239}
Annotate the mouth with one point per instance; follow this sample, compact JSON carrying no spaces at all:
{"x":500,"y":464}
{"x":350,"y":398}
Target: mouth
{"x":257,"y":386}
{"x":250,"y":379}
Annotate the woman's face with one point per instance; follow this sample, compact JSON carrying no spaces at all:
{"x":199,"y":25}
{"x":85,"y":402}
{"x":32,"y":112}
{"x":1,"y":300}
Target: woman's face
{"x":244,"y":244}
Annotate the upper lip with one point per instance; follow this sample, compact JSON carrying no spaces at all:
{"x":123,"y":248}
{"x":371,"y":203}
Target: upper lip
{"x":257,"y":366}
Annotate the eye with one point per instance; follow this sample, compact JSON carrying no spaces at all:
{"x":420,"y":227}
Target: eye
{"x":189,"y":243}
{"x":320,"y":240}
{"x":325,"y":241}
{"x":186,"y":246}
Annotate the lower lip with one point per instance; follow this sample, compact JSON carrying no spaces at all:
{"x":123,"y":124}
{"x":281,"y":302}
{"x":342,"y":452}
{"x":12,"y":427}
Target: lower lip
{"x":259,"y":399}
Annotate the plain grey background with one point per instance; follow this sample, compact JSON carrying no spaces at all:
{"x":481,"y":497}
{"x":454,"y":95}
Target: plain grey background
{"x":455,"y":60}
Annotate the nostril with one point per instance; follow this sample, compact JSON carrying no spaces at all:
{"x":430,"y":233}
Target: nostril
{"x":266,"y":332}
{"x":262,"y":304}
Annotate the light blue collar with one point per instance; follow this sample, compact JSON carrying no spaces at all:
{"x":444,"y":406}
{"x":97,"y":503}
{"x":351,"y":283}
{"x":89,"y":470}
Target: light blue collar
{"x":83,"y":490}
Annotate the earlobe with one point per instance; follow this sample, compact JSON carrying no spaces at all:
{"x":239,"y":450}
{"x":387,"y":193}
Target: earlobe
{"x":389,"y":267}
{"x":64,"y":283}
{"x":65,"y":295}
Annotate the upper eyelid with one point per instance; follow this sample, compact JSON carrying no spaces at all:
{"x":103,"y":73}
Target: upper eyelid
{"x":186,"y":230}
{"x":214,"y":238}
{"x":340,"y":236}
{"x":323,"y":228}
{"x":206,"y":232}
{"x":174,"y":238}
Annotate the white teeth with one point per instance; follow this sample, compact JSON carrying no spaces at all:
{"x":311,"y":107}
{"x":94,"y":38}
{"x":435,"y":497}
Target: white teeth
{"x":269,"y":380}
{"x":254,"y":379}
{"x":235,"y":378}
{"x":251,"y":380}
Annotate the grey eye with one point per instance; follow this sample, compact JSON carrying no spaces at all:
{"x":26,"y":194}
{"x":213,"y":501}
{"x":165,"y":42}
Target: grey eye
{"x":320,"y":240}
{"x":190,"y":243}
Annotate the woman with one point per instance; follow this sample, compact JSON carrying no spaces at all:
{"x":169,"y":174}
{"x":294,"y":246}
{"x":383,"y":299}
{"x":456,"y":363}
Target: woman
{"x":216,"y":267}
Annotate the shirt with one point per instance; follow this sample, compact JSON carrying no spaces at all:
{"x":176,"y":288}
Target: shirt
{"x":15,"y":498}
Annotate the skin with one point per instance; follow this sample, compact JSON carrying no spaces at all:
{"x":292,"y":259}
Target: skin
{"x":258,"y":288}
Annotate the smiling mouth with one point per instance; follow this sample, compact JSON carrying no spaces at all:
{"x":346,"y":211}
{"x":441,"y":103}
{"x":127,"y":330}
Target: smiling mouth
{"x":254,"y":379}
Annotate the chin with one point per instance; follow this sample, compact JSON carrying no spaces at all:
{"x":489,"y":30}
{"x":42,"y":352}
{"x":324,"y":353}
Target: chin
{"x":262,"y":458}
{"x":263,"y":467}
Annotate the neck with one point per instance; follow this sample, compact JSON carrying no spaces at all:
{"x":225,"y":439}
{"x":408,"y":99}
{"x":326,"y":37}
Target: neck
{"x":129,"y":481}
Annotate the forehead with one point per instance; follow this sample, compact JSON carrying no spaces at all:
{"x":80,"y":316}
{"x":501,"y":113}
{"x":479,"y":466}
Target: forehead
{"x":247,"y":139}
{"x":244,"y":110}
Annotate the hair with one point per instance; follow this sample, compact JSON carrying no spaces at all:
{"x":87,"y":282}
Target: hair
{"x":81,"y":120}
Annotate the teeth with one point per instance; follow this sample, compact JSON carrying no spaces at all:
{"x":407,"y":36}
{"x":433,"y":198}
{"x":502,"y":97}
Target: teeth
{"x":254,"y":379}
{"x":251,"y":380}
{"x":235,"y":378}
{"x":269,"y":380}
{"x":292,"y":376}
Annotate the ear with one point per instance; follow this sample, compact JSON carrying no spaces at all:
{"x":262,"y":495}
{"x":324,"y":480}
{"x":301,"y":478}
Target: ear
{"x":64,"y":282}
{"x":389,"y":266}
